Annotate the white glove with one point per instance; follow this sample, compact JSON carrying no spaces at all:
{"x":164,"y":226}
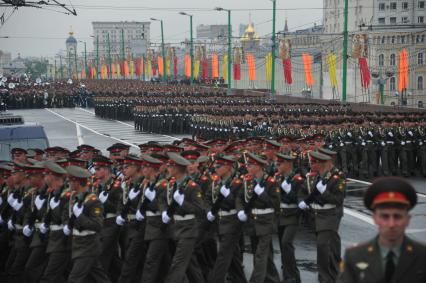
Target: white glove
{"x":321,"y":187}
{"x":119,"y":220}
{"x":349,"y":134}
{"x":210,"y":216}
{"x":53,"y":203}
{"x":363,"y":143}
{"x":150,"y":194}
{"x":258,"y":189}
{"x":410,"y":133}
{"x":67,"y":230}
{"x":420,"y":143}
{"x":139,"y":215}
{"x":178,"y":197}
{"x":303,"y":205}
{"x":341,"y":144}
{"x":27,"y":231}
{"x":370,"y":133}
{"x":242,"y":216}
{"x":330,"y":146}
{"x":17,"y":205}
{"x":390,"y":134}
{"x":225,"y":191}
{"x":10,"y":225}
{"x":103,"y":196}
{"x":11,"y":199}
{"x":165,"y":217}
{"x":43,"y":228}
{"x":77,"y":209}
{"x":1,"y":200}
{"x":383,"y":143}
{"x":1,"y":220}
{"x":133,"y":193}
{"x":39,"y":202}
{"x":403,"y":143}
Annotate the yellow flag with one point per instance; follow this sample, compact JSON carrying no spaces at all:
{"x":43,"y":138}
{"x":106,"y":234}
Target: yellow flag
{"x":197,"y":69}
{"x":149,"y":68}
{"x":168,"y":66}
{"x":225,"y":67}
{"x":268,"y":65}
{"x":331,"y":63}
{"x":132,"y":68}
{"x":118,"y":70}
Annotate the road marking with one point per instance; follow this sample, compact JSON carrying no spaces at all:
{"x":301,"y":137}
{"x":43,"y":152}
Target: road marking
{"x":368,"y":183}
{"x":79,"y":135}
{"x":123,"y":123}
{"x":89,"y":129}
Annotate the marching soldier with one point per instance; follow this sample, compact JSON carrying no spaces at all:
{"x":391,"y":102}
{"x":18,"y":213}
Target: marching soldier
{"x":289,"y":218}
{"x":326,"y":197}
{"x":258,"y":205}
{"x":391,"y":256}
{"x":84,"y":224}
{"x":6,"y":186}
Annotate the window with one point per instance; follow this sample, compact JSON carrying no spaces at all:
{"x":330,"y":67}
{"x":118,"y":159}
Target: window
{"x":421,"y":4}
{"x":381,"y":21}
{"x":381,"y":6}
{"x":403,"y":39}
{"x":392,"y":84}
{"x":420,"y":19}
{"x":404,"y":20}
{"x":392,"y":60}
{"x":420,"y":58}
{"x":383,"y":40}
{"x":392,"y":20}
{"x":405,"y":6}
{"x":393,"y":39}
{"x":393,"y":6}
{"x":420,"y":83}
{"x":381,"y":60}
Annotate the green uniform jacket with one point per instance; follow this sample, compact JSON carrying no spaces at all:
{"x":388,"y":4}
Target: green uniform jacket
{"x":363,"y":263}
{"x":290,"y":216}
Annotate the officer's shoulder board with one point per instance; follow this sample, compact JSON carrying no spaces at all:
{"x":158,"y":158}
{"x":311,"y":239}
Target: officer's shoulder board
{"x":192,"y":184}
{"x":271,"y":180}
{"x":236,"y":182}
{"x":90,"y":197}
{"x":298,"y":178}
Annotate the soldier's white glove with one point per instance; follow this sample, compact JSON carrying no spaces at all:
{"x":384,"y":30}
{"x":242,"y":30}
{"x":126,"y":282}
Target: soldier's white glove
{"x":165,"y":217}
{"x":1,"y":200}
{"x":258,"y":189}
{"x":11,"y":199}
{"x":242,"y":216}
{"x":17,"y":205}
{"x":27,"y":231}
{"x":402,"y":142}
{"x":303,"y":205}
{"x":103,"y":196}
{"x":420,"y":143}
{"x":150,"y":194}
{"x":370,"y":133}
{"x":39,"y":202}
{"x":286,"y":186}
{"x":225,"y":191}
{"x":43,"y":228}
{"x":120,"y":220}
{"x":133,"y":194}
{"x":383,"y":143}
{"x":66,"y":230}
{"x":321,"y":187}
{"x":330,"y":146}
{"x":341,"y":144}
{"x":178,"y":197}
{"x":349,"y":134}
{"x":139,"y":215}
{"x":410,"y":133}
{"x":54,"y":203}
{"x":10,"y":225}
{"x":77,"y":209}
{"x":1,"y":220}
{"x":363,"y":143}
{"x":210,"y":216}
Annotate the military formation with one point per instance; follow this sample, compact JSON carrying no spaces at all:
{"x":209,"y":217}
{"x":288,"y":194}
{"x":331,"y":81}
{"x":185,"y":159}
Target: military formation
{"x":180,"y":212}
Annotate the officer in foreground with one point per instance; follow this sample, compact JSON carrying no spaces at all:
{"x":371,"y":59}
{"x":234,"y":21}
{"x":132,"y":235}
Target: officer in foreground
{"x":391,"y":256}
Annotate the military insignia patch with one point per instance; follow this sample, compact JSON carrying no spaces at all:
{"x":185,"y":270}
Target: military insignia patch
{"x":97,"y":211}
{"x":362,"y":265}
{"x":342,"y":266}
{"x":199,"y":195}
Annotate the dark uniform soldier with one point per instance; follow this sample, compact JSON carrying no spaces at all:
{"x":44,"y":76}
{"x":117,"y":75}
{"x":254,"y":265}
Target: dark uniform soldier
{"x":107,"y":188}
{"x":58,"y":245}
{"x":258,"y":204}
{"x":288,"y":222}
{"x":85,"y":225}
{"x":6,"y":185}
{"x":325,"y":198}
{"x":224,"y":191}
{"x":185,"y":204}
{"x":391,"y":256}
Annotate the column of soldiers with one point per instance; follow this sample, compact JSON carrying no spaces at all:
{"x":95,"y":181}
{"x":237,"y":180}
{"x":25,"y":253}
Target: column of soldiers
{"x":176,"y":213}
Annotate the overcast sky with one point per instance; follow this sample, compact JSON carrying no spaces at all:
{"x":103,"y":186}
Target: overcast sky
{"x":43,"y":33}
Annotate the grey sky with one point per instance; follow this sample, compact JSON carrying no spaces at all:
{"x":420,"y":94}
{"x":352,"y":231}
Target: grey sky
{"x":43,"y":32}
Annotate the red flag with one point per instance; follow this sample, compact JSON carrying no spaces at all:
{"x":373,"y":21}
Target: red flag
{"x":122,"y":68}
{"x":138,"y":67}
{"x":287,"y":71}
{"x":205,"y":68}
{"x":237,"y":72}
{"x":154,"y":67}
{"x":175,"y":65}
{"x":365,"y":73}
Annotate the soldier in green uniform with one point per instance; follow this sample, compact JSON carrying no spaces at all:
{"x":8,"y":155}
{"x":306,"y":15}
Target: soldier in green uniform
{"x":85,"y":225}
{"x":107,"y":188}
{"x":221,"y":204}
{"x":288,"y":222}
{"x":185,"y":205}
{"x":6,"y":184}
{"x":58,"y":245}
{"x":391,"y":256}
{"x":326,"y":196}
{"x":257,"y":204}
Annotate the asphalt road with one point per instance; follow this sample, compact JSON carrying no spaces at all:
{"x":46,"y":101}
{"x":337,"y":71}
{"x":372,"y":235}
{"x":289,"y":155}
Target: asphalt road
{"x":71,"y":127}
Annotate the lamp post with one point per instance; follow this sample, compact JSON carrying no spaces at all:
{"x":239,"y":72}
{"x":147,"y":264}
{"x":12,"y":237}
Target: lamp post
{"x":345,"y":51}
{"x":381,"y":81}
{"x":274,"y":11}
{"x":191,"y":45}
{"x":229,"y":47}
{"x":163,"y":52}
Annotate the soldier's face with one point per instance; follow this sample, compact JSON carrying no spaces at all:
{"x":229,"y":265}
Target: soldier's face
{"x":101,"y":172}
{"x":392,"y":223}
{"x":193,"y":168}
{"x":19,"y":157}
{"x":130,"y":170}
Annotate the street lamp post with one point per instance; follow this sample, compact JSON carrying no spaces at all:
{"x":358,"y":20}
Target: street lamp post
{"x":381,"y":81}
{"x":274,"y":6}
{"x":109,"y":57}
{"x":345,"y":51}
{"x":191,"y":45}
{"x":229,"y":48}
{"x":163,"y":52}
{"x":85,"y":58}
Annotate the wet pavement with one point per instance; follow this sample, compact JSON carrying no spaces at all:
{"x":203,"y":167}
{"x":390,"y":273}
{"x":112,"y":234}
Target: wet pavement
{"x":71,"y":127}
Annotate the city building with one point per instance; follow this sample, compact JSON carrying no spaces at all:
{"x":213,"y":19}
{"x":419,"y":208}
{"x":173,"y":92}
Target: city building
{"x":212,"y":32}
{"x":360,"y":13}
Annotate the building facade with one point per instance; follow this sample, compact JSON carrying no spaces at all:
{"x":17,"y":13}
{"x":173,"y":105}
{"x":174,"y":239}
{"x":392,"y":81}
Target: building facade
{"x":212,"y":32}
{"x":399,"y":12}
